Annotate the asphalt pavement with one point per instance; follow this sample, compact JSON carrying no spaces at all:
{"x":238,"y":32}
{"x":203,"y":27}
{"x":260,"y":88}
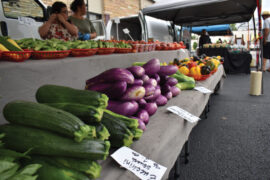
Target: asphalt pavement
{"x":233,"y":143}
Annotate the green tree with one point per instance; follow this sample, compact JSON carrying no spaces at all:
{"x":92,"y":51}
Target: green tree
{"x":233,"y":27}
{"x":195,"y":44}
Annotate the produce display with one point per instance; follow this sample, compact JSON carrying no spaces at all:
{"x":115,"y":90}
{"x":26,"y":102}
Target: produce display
{"x":200,"y":68}
{"x":136,"y":91}
{"x":216,"y":45}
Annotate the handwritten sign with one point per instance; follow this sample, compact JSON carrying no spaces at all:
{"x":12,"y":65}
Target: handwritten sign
{"x":26,"y":20}
{"x":183,"y":113}
{"x":203,"y":90}
{"x":142,"y":167}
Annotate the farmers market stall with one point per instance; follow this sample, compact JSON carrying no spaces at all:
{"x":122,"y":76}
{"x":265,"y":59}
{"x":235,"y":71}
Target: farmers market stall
{"x":166,"y":133}
{"x":234,"y":62}
{"x":21,"y":80}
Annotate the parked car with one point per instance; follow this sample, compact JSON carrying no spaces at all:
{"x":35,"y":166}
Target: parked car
{"x":141,"y":28}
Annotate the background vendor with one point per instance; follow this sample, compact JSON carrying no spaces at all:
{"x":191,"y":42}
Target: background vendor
{"x":204,"y":39}
{"x":58,"y":26}
{"x":86,"y":28}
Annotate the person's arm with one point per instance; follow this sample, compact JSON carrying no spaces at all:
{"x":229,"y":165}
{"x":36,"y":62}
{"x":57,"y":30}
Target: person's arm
{"x":200,"y":42}
{"x":72,"y":29}
{"x":44,"y":29}
{"x":265,"y":31}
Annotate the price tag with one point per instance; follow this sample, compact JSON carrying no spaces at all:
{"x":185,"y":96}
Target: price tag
{"x":26,"y":20}
{"x":142,"y":167}
{"x":126,"y":31}
{"x":117,"y":20}
{"x":183,"y":113}
{"x":203,"y":90}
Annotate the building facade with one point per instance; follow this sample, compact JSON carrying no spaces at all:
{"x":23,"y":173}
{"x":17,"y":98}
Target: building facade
{"x":107,"y":9}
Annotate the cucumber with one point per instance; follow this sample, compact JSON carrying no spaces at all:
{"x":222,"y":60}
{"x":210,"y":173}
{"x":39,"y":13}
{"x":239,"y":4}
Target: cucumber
{"x":42,"y":142}
{"x":120,"y":135}
{"x":61,"y":94}
{"x":87,"y":114}
{"x":46,"y":117}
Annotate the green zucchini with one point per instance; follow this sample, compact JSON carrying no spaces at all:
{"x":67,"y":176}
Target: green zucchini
{"x":137,"y":133}
{"x":102,"y":131}
{"x":8,"y":44}
{"x":51,"y":172}
{"x":61,"y":94}
{"x":120,"y":135}
{"x":87,"y":114}
{"x":91,"y":168}
{"x":129,"y":122}
{"x":22,"y":138}
{"x":46,"y":117}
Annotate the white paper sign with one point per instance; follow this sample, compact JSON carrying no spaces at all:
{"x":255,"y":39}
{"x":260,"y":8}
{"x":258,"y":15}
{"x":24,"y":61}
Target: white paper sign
{"x":26,"y":20}
{"x":117,"y":20}
{"x":142,"y":167}
{"x":203,"y":90}
{"x":183,"y":113}
{"x":126,"y":31}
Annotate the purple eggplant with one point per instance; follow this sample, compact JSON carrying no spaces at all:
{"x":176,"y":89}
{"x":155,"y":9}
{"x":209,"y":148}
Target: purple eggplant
{"x":156,"y":77}
{"x":175,"y":91}
{"x":151,"y":108}
{"x":152,"y":82}
{"x":112,"y":90}
{"x":163,"y":80}
{"x":138,"y":82}
{"x":112,"y":75}
{"x":142,"y":102}
{"x":145,"y":78}
{"x":165,"y":88}
{"x":137,"y":71}
{"x":171,"y":81}
{"x":154,"y":96}
{"x":102,"y":87}
{"x":152,"y":67}
{"x":149,"y":89}
{"x":141,"y":123}
{"x":168,"y":95}
{"x":161,"y":100}
{"x":167,"y":70}
{"x":134,"y":93}
{"x":124,"y":108}
{"x":143,"y":115}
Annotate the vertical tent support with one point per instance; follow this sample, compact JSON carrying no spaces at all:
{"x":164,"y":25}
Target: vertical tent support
{"x":87,"y":9}
{"x":259,"y":5}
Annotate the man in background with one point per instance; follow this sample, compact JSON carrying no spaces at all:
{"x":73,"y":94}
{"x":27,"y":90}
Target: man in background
{"x":266,"y":39}
{"x":204,"y":39}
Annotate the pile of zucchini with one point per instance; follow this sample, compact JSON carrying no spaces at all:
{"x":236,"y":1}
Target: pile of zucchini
{"x":67,"y":131}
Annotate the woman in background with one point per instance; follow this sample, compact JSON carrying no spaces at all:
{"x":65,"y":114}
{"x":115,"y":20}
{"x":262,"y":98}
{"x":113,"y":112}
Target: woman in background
{"x":86,"y":28}
{"x":57,"y":26}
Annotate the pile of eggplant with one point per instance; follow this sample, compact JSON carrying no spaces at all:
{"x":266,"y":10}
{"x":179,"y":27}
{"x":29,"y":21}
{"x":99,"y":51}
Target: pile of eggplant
{"x":137,"y":91}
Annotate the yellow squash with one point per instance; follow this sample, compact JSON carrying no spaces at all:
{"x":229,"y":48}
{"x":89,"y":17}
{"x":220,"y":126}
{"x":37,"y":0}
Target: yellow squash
{"x":3,"y":48}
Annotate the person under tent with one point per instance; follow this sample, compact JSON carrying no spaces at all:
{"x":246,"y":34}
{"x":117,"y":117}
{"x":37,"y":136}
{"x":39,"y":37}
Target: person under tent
{"x":58,"y":25}
{"x":266,"y":39}
{"x":204,"y":39}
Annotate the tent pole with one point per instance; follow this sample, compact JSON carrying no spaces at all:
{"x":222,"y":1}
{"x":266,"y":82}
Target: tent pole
{"x":255,"y":36}
{"x":259,"y":5}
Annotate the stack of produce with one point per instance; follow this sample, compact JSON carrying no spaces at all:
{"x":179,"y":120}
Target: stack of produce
{"x":137,"y":91}
{"x":11,"y":167}
{"x":198,"y":67}
{"x":8,"y":44}
{"x":90,"y":106}
{"x":169,"y":46}
{"x":60,"y":141}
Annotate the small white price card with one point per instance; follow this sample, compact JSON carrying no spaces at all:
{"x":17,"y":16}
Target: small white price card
{"x":203,"y":90}
{"x":183,"y":113}
{"x":126,"y":31}
{"x":142,"y":167}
